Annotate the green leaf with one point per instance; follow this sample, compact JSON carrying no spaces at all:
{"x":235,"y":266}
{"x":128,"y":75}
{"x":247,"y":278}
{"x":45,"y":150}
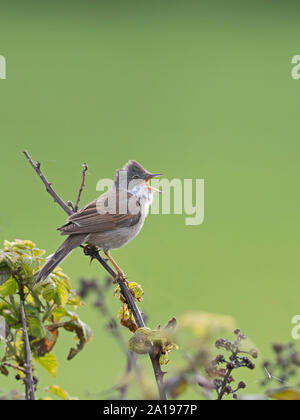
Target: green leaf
{"x":5,"y":274}
{"x":141,"y":342}
{"x":75,"y":301}
{"x":7,"y":245}
{"x":136,"y":289}
{"x":19,"y":245}
{"x":38,"y":252}
{"x":3,"y":306}
{"x":62,"y":293}
{"x":36,"y":328}
{"x":30,"y":263}
{"x":49,"y":292}
{"x":59,"y":313}
{"x":11,"y":259}
{"x":9,"y":287}
{"x":10,"y":318}
{"x":29,"y":244}
{"x":31,"y":309}
{"x":49,"y":363}
{"x":59,"y":392}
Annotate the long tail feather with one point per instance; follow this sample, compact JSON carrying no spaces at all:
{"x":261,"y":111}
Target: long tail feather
{"x":63,"y":251}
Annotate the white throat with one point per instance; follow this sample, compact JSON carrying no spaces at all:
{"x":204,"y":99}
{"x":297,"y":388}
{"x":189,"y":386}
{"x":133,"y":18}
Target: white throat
{"x":141,"y":191}
{"x":145,"y":197}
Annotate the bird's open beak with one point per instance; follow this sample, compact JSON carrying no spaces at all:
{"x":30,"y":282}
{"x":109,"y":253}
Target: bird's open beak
{"x":149,"y":177}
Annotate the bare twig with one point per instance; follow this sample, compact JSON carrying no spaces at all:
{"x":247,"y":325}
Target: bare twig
{"x":35,"y":296}
{"x":29,"y":382}
{"x":85,"y":168}
{"x":49,"y":189}
{"x":159,"y":374}
{"x":94,"y":253}
{"x":221,"y":392}
{"x":223,"y":376}
{"x":15,"y":367}
{"x":71,"y":205}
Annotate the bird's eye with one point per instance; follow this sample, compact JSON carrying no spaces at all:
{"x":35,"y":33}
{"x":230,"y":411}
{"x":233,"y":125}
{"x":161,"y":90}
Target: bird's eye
{"x":135,"y":177}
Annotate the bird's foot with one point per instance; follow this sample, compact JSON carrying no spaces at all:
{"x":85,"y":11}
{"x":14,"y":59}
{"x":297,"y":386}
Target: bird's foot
{"x":90,"y":250}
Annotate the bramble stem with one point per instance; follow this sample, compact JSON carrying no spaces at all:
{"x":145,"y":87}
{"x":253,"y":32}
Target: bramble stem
{"x":49,"y":189}
{"x":29,"y":383}
{"x":85,"y":168}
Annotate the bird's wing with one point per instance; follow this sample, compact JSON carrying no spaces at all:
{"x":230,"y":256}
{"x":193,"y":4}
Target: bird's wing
{"x":89,"y":220}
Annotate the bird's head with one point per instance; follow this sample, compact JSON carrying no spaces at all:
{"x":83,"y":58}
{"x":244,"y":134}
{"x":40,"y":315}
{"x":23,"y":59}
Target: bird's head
{"x":134,"y":177}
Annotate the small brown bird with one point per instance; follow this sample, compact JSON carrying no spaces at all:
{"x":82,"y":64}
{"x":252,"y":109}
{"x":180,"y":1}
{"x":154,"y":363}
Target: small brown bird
{"x":110,"y":221}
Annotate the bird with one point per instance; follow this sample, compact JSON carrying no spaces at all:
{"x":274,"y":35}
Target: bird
{"x":109,"y":222}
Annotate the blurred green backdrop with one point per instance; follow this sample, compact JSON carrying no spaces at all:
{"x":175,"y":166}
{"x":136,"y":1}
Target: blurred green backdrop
{"x":193,"y":89}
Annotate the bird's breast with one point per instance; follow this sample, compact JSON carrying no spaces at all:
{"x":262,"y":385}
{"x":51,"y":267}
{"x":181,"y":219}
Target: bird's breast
{"x":115,"y":238}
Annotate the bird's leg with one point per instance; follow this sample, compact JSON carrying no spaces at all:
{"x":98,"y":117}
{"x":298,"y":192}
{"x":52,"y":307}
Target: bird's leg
{"x":119,"y":271}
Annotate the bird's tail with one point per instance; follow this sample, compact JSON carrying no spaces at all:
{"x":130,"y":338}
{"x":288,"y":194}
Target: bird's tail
{"x":63,"y":251}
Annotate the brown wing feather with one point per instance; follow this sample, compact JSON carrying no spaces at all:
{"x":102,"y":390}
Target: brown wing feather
{"x":89,"y":220}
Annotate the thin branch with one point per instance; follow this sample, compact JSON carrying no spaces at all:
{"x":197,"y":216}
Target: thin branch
{"x":85,"y":168}
{"x":15,"y":367}
{"x":4,"y":300}
{"x":29,"y":382}
{"x":159,"y":375}
{"x":94,"y":253}
{"x":221,"y":392}
{"x":35,"y":297}
{"x":225,"y":382}
{"x":49,"y":189}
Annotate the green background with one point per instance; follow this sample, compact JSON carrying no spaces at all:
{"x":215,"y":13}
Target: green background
{"x":191,"y":89}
